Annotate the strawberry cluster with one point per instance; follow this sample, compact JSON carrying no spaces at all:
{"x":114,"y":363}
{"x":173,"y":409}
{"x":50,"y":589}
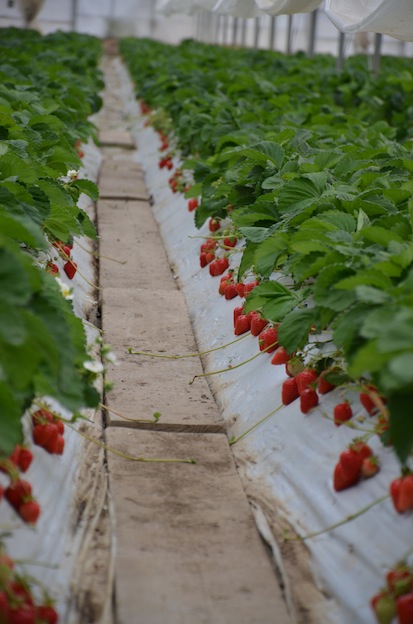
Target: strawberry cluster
{"x":48,"y":431}
{"x":19,"y":492}
{"x":396,"y":598}
{"x":356,"y":462}
{"x":17,"y":602}
{"x":65,"y":252}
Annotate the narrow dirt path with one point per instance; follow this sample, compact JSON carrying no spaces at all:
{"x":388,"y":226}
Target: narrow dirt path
{"x":188,"y":551}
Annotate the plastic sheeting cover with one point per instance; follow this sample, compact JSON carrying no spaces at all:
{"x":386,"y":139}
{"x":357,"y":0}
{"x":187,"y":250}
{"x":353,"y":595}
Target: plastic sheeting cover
{"x":237,"y":8}
{"x":287,"y":7}
{"x":389,"y":17}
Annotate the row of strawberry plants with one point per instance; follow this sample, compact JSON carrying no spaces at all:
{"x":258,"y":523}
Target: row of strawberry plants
{"x":48,"y":89}
{"x":319,"y":197}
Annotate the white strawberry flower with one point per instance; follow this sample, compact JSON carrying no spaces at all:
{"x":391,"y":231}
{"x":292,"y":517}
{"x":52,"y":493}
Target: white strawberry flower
{"x":94,"y":366}
{"x":66,"y":291}
{"x":72,"y":174}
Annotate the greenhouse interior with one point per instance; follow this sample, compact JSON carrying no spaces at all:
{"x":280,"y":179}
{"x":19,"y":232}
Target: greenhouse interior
{"x":206,"y":312}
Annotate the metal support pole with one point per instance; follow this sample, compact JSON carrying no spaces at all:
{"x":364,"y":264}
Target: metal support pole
{"x":312,"y":33}
{"x":377,"y":53}
{"x":341,"y":46}
{"x":257,"y":30}
{"x":272,"y":33}
{"x":244,"y":33}
{"x":235,"y":23}
{"x":289,"y":34}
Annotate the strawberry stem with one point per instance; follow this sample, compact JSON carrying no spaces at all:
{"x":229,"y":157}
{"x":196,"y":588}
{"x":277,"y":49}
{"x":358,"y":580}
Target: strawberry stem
{"x":235,"y":440}
{"x":167,"y":460}
{"x":97,"y":255}
{"x":349,"y":518}
{"x":224,"y":370}
{"x":187,"y":355}
{"x":139,"y":420}
{"x":349,"y":424}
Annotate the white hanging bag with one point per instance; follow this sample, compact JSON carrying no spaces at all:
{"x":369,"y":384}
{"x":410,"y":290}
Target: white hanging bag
{"x":389,"y":17}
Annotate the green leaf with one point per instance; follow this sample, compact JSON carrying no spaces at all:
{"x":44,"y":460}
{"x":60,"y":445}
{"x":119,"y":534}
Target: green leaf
{"x":247,"y":260}
{"x":263,"y":152}
{"x":267,"y":253}
{"x":367,"y":359}
{"x":376,"y":234}
{"x":325,"y":293}
{"x":298,"y":195}
{"x":87,"y":187}
{"x":273,"y":298}
{"x":255,"y":234}
{"x":11,"y":430}
{"x":369,"y":294}
{"x":401,"y":423}
{"x":295,"y":328}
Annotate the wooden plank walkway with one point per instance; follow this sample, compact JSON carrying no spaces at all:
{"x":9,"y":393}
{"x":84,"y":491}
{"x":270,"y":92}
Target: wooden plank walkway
{"x":188,"y":549}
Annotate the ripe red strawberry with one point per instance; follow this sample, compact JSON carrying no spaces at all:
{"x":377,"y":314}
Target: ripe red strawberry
{"x":224,"y":283}
{"x":23,"y":457}
{"x":267,"y":339}
{"x":229,"y":241}
{"x":308,"y":399}
{"x":395,"y":487}
{"x":4,"y":608}
{"x":351,"y":462}
{"x":280,"y":356}
{"x":209,"y":245}
{"x":192,"y":204}
{"x":42,"y":416}
{"x":249,"y":287}
{"x":70,"y":268}
{"x":60,"y":426}
{"x":45,"y":434}
{"x":306,"y":378}
{"x":47,"y":614}
{"x":242,"y":324}
{"x":205,"y":258}
{"x":237,"y":312}
{"x":362,"y":448}
{"x":240,"y":289}
{"x":218,"y":267}
{"x":1,"y":492}
{"x":65,"y":249}
{"x":16,"y":493}
{"x":324,"y":386}
{"x":258,"y":323}
{"x":214,"y":225}
{"x":22,"y":615}
{"x":370,"y":467}
{"x":289,"y":391}
{"x":230,"y":291}
{"x":342,"y":413}
{"x":169,"y":164}
{"x":405,"y":501}
{"x":404,"y":608}
{"x":343,"y":479}
{"x":29,"y":512}
{"x":367,"y":403}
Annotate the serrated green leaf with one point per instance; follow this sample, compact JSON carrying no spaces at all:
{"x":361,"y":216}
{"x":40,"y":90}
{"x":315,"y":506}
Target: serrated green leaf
{"x":325,"y":293}
{"x":267,"y":253}
{"x":367,"y":359}
{"x":379,"y":235}
{"x":88,"y":187}
{"x":263,"y":152}
{"x":294,"y":330}
{"x":401,"y":423}
{"x":247,"y":260}
{"x":11,"y":430}
{"x":273,"y":298}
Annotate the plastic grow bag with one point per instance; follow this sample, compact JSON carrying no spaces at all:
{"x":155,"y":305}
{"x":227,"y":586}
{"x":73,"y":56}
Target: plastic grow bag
{"x":389,"y":17}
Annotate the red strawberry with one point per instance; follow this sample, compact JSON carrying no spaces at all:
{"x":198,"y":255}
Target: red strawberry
{"x":52,"y":268}
{"x":395,"y":487}
{"x":342,"y":413}
{"x":205,"y":258}
{"x":343,"y":479}
{"x":362,"y":448}
{"x":240,"y":289}
{"x":169,"y":164}
{"x":22,"y":615}
{"x":65,"y":249}
{"x":45,"y":434}
{"x":237,"y":312}
{"x":230,"y":241}
{"x":224,"y":283}
{"x":70,"y":268}
{"x":47,"y":614}
{"x":367,"y":402}
{"x":306,"y":378}
{"x":4,"y":608}
{"x":308,"y":399}
{"x":230,"y":291}
{"x":258,"y":323}
{"x":218,"y":267}
{"x":324,"y":386}
{"x":404,"y":608}
{"x":249,"y":287}
{"x":16,"y":493}
{"x":1,"y":493}
{"x":242,"y":324}
{"x":192,"y":204}
{"x":42,"y":416}
{"x":24,"y":458}
{"x":351,"y":462}
{"x":289,"y":391}
{"x":267,"y":339}
{"x":59,"y":445}
{"x":214,"y":225}
{"x":370,"y":467}
{"x":405,"y":501}
{"x":280,"y":356}
{"x":209,"y":245}
{"x":20,"y":590}
{"x":60,"y":426}
{"x":29,"y":511}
